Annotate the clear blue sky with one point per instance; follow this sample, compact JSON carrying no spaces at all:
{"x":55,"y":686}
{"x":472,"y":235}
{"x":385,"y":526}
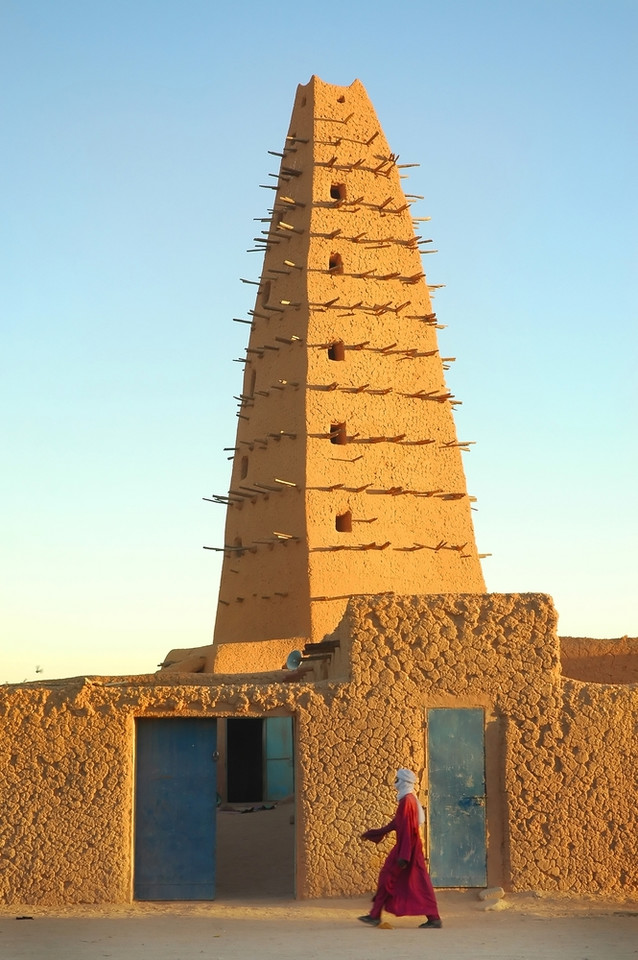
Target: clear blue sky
{"x":135,"y":137}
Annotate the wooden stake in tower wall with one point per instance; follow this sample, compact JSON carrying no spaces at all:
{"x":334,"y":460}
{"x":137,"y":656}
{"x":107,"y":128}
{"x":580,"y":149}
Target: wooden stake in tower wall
{"x":347,"y":476}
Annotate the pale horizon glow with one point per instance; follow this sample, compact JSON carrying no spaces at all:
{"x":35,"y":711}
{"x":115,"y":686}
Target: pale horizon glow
{"x":136,"y":138}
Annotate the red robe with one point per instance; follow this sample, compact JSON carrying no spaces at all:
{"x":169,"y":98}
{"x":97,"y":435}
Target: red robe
{"x":407,"y":891}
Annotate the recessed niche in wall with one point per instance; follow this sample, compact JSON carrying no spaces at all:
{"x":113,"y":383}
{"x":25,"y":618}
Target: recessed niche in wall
{"x":338,"y":191}
{"x":343,"y":522}
{"x":337,"y":350}
{"x":237,"y":542}
{"x":253,"y":380}
{"x":338,"y":433}
{"x":244,"y":468}
{"x":335,"y":263}
{"x":265,"y":291}
{"x":341,"y":99}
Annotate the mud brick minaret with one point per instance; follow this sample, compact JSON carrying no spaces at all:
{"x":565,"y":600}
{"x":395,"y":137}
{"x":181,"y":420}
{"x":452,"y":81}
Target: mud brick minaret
{"x":347,"y":476}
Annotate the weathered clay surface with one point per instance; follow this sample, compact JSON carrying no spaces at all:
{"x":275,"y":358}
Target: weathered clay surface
{"x":600,"y":661}
{"x":343,"y":333}
{"x":560,"y":761}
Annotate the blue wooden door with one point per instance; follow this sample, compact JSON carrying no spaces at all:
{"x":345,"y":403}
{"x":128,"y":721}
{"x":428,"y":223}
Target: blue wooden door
{"x":279,"y":776}
{"x":456,"y":797}
{"x":175,"y":809}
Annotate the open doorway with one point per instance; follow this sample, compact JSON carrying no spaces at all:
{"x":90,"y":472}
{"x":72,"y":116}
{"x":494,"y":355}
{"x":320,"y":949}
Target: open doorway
{"x":244,"y":762}
{"x":256,"y":809}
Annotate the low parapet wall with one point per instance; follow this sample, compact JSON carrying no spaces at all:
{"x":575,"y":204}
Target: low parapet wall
{"x":600,"y":661}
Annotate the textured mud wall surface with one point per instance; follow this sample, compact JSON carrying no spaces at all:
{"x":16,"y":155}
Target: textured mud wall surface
{"x":562,"y":786}
{"x":573,"y":788}
{"x":344,"y":408}
{"x":65,"y":796}
{"x":600,"y":661}
{"x":254,"y":656}
{"x":401,"y":468}
{"x":408,"y":654}
{"x":66,"y":778}
{"x":600,"y":787}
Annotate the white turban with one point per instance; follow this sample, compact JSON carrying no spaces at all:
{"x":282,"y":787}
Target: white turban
{"x":405,"y":783}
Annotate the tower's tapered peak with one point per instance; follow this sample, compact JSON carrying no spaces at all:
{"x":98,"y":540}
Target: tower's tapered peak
{"x":347,"y":476}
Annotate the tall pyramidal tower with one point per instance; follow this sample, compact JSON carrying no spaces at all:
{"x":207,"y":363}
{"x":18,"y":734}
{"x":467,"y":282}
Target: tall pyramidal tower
{"x":347,"y":476}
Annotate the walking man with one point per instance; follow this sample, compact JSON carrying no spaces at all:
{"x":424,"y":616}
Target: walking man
{"x":404,"y":887}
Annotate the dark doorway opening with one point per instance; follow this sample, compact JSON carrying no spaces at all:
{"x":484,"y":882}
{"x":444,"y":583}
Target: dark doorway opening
{"x":244,"y":760}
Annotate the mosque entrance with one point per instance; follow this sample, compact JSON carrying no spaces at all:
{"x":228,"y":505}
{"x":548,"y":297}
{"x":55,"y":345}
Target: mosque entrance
{"x":456,"y":797}
{"x":214,"y":808}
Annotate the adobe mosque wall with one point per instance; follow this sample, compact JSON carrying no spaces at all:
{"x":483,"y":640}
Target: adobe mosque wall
{"x":560,"y":753}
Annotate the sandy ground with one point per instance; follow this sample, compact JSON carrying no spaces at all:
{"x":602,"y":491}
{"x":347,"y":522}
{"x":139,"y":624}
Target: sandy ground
{"x":530,"y":929}
{"x":255,"y":916}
